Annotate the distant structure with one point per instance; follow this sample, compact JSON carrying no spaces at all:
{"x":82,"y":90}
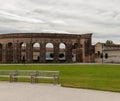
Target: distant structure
{"x":32,"y":47}
{"x":107,"y":53}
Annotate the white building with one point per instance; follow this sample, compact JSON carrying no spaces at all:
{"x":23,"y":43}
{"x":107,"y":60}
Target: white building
{"x":107,"y":53}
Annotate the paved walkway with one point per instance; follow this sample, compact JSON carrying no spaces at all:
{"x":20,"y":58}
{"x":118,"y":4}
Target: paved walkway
{"x":48,"y":92}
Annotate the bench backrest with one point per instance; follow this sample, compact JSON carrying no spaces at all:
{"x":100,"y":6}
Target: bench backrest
{"x":26,"y":72}
{"x":7,"y":72}
{"x":48,"y":73}
{"x":30,"y":72}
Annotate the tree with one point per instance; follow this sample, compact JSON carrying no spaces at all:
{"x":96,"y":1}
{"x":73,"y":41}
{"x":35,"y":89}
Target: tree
{"x":109,"y":42}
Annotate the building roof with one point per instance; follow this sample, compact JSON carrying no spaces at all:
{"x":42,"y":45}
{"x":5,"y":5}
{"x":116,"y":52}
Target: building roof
{"x":110,"y":45}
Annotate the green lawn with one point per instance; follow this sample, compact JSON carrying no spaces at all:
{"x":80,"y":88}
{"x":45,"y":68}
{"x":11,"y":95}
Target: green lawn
{"x":100,"y":77}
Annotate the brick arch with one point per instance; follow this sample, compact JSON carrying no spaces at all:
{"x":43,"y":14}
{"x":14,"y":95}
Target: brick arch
{"x":62,"y":52}
{"x":49,"y":51}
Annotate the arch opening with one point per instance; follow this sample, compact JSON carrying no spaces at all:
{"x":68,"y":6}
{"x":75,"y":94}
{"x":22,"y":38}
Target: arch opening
{"x":62,"y":52}
{"x":23,"y":52}
{"x":49,"y":52}
{"x":74,"y":49}
{"x":36,"y":52}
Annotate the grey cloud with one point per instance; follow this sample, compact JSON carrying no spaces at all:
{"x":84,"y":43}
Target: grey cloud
{"x":78,"y":16}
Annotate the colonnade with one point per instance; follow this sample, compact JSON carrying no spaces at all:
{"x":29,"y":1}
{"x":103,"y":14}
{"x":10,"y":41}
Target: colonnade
{"x":11,"y":47}
{"x":12,"y":52}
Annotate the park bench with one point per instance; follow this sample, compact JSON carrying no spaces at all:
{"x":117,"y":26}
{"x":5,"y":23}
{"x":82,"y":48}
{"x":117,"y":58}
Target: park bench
{"x":46,"y":75}
{"x":23,"y":74}
{"x":33,"y":75}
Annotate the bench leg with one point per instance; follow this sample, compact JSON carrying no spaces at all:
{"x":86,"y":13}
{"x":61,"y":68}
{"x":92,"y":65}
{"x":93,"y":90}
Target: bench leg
{"x":55,"y":81}
{"x":11,"y":78}
{"x":15,"y":79}
{"x":58,"y":80}
{"x":36,"y":80}
{"x":32,"y":79}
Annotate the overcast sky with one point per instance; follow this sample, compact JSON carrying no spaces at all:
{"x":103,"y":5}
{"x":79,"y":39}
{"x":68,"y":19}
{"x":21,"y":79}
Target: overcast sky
{"x":100,"y":17}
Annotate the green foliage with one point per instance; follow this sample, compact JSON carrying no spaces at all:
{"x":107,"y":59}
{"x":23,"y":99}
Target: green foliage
{"x":101,"y":77}
{"x":109,"y":42}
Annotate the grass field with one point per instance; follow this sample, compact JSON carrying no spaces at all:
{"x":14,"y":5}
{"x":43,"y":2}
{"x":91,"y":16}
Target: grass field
{"x":94,"y":76}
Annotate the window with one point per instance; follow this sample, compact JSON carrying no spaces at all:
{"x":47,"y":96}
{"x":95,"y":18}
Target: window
{"x":106,"y":55}
{"x":98,"y":54}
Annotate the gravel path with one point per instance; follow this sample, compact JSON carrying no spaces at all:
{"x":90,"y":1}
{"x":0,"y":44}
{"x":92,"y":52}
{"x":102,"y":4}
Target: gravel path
{"x":48,"y":92}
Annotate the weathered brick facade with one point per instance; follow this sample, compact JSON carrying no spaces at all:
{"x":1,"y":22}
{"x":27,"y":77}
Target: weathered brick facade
{"x":10,"y":46}
{"x":107,"y":53}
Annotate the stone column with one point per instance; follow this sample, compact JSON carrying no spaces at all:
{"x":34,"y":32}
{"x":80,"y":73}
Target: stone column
{"x":79,"y":54}
{"x":56,"y":52}
{"x":42,"y":52}
{"x":19,"y":52}
{"x":69,"y":52}
{"x":86,"y":50}
{"x":15,"y":53}
{"x":4,"y":53}
{"x":29,"y":52}
{"x":0,"y":53}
